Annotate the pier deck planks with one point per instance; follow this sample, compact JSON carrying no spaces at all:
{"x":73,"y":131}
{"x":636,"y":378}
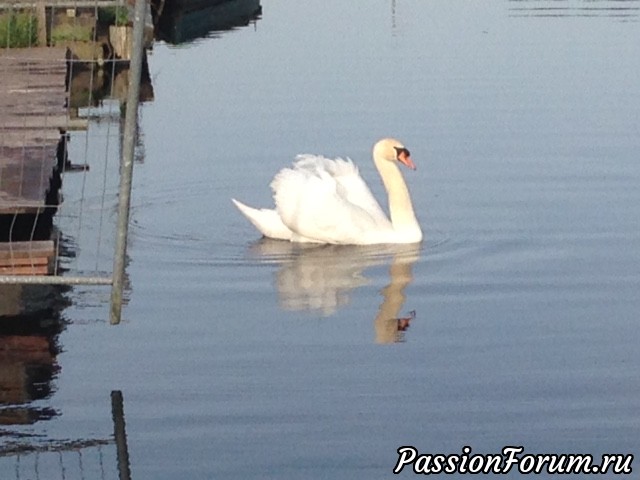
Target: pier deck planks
{"x":26,"y":258}
{"x":32,"y":112}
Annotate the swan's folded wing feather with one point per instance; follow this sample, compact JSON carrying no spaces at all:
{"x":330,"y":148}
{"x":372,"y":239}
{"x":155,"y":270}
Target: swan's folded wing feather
{"x":312,"y":202}
{"x":267,"y":221}
{"x":357,"y":192}
{"x":350,"y":185}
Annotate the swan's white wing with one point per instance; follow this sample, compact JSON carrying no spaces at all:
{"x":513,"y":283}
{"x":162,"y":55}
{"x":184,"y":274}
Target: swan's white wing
{"x":326,"y":201}
{"x":351,"y":185}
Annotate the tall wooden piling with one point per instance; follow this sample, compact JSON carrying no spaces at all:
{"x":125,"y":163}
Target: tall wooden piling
{"x":126,"y":170}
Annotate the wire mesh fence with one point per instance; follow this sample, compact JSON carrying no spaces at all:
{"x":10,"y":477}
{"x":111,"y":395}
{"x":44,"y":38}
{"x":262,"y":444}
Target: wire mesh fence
{"x":38,"y":457}
{"x":66,"y":460}
{"x":69,"y":91}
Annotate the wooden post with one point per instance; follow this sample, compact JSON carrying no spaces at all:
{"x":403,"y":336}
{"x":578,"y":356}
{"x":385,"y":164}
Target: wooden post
{"x":126,"y":165}
{"x":120,"y":435}
{"x":41,"y":16}
{"x":121,"y":38}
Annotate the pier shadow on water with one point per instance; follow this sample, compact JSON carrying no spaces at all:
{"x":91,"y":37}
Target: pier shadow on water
{"x":89,"y":87}
{"x":31,"y":322}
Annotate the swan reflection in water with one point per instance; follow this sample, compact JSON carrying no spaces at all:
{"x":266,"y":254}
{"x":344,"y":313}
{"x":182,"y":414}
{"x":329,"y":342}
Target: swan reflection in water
{"x":319,"y":278}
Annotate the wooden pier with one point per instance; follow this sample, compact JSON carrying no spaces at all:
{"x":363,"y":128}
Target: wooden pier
{"x":33,"y":115}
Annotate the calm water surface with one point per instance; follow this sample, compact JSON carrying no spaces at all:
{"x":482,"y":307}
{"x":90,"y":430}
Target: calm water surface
{"x":242,"y":358}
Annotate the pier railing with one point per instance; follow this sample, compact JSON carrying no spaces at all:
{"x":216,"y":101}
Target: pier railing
{"x":35,"y":126}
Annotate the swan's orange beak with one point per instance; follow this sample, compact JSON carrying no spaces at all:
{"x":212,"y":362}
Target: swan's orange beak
{"x":404,"y":157}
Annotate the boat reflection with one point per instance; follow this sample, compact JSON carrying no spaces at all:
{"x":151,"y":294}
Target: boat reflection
{"x":320,"y":278}
{"x":180,"y":21}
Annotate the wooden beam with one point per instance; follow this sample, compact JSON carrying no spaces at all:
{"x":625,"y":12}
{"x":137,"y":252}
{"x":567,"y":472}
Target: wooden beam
{"x":61,"y":122}
{"x":26,"y":249}
{"x":41,"y":15}
{"x":36,"y":270}
{"x":62,"y":4}
{"x":29,"y":138}
{"x":22,"y":209}
{"x":24,"y":262}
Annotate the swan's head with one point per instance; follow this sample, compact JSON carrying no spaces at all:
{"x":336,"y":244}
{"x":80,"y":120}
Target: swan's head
{"x":394,"y":151}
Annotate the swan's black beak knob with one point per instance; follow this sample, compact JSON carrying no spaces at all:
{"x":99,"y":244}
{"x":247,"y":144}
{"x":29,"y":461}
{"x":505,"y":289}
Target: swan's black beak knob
{"x":403,"y":156}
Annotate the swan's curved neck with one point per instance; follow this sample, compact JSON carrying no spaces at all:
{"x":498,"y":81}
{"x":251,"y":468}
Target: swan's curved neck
{"x":401,"y":211}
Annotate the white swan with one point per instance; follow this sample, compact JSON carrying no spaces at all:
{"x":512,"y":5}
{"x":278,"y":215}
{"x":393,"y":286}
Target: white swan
{"x":327,"y":201}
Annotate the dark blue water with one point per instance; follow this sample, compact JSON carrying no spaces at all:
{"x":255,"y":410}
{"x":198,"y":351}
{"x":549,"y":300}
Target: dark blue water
{"x":241,"y":358}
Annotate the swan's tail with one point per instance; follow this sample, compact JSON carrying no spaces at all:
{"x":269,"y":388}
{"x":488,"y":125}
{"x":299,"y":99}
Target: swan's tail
{"x":267,"y":221}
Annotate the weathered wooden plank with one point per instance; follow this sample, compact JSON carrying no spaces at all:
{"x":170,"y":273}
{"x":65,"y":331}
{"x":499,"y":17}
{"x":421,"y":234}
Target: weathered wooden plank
{"x":27,"y":249}
{"x":28,"y":138}
{"x":42,"y":53}
{"x":38,"y":72}
{"x":34,"y":65}
{"x":18,"y":92}
{"x":20,"y":109}
{"x":17,"y":84}
{"x":30,"y":90}
{"x":24,"y":262}
{"x":30,"y":270}
{"x":62,"y":4}
{"x":24,"y":178}
{"x":40,"y":122}
{"x":22,"y":208}
{"x":37,"y":66}
{"x":32,"y":113}
{"x":25,"y":346}
{"x":26,"y":258}
{"x":37,"y":78}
